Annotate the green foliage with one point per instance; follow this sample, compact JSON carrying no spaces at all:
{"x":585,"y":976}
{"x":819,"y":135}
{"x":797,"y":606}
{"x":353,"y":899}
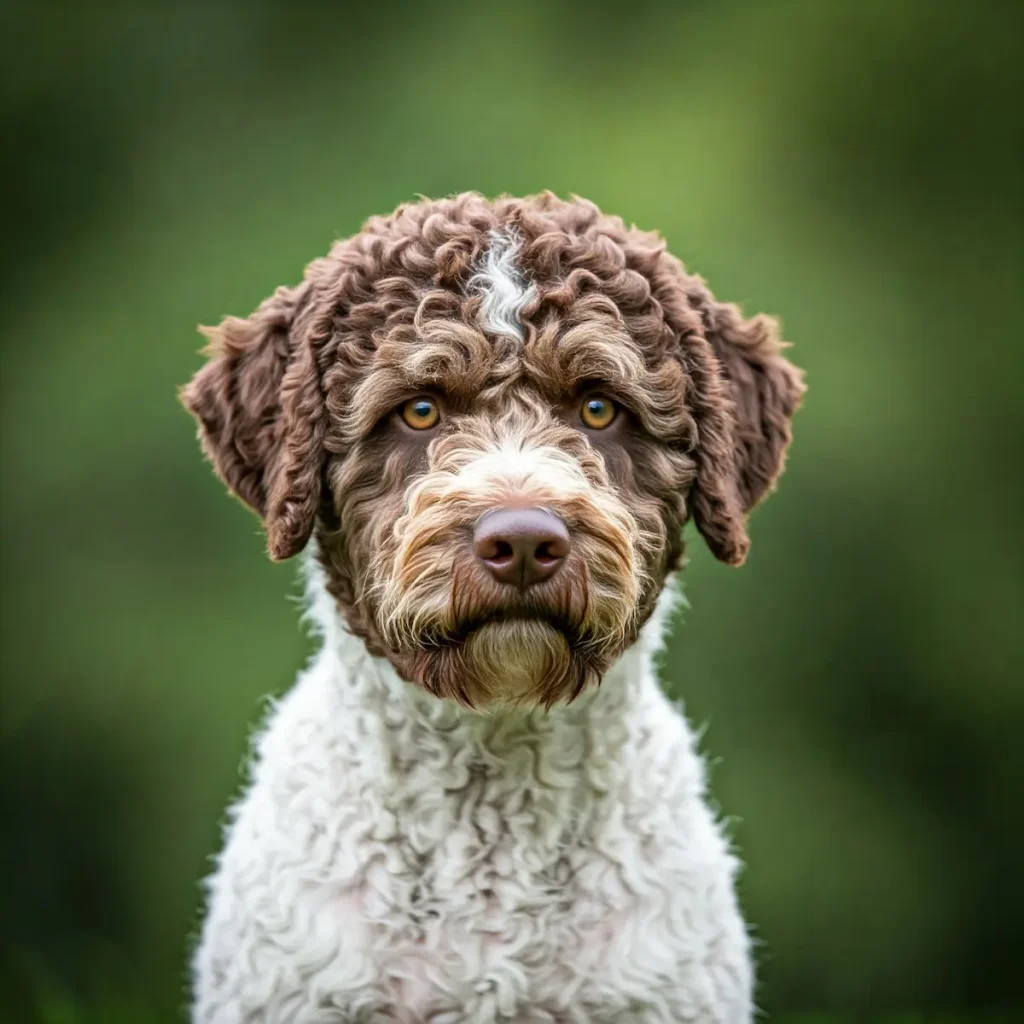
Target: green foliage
{"x":851,"y":167}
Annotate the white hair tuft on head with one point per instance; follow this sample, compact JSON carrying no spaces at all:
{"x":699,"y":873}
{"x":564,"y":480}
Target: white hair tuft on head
{"x":501,"y":286}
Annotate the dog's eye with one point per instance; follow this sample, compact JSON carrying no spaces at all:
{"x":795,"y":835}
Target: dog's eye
{"x":598,"y":412}
{"x":421,"y":413}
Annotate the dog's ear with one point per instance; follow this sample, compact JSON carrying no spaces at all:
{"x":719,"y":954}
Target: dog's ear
{"x":261,"y":414}
{"x":758,"y":391}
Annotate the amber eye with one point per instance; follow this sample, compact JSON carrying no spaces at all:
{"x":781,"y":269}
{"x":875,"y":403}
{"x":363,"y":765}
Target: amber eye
{"x":421,"y":413}
{"x":597,"y":412}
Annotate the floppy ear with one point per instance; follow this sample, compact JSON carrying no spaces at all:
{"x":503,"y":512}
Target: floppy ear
{"x":262,"y":417}
{"x":761,"y":392}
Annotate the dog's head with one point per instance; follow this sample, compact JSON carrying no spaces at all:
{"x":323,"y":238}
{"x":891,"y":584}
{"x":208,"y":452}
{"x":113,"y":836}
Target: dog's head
{"x":497,"y":417}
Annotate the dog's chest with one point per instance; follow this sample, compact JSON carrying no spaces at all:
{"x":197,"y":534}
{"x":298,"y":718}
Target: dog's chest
{"x":491,"y":900}
{"x":399,"y":868}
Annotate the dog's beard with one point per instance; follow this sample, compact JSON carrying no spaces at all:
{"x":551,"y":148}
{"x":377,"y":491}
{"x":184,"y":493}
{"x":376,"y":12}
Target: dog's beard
{"x":508,"y":661}
{"x":483,"y":645}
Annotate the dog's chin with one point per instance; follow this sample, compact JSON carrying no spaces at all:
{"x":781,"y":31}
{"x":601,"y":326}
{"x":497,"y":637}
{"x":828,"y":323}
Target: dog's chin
{"x":505,"y":661}
{"x":518,"y":659}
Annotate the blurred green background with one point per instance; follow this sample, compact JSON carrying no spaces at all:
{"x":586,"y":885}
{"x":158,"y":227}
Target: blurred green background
{"x":853,"y":167}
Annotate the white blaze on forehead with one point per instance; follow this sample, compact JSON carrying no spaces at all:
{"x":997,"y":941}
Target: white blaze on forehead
{"x":500,"y":284}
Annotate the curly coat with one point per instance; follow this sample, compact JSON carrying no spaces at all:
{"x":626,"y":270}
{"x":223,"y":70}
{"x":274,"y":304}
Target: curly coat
{"x":506,"y":311}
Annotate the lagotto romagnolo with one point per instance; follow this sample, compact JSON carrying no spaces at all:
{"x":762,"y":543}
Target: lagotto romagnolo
{"x":486,"y":423}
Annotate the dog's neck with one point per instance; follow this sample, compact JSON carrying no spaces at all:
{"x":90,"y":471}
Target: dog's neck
{"x":483,"y":795}
{"x":371,"y":683}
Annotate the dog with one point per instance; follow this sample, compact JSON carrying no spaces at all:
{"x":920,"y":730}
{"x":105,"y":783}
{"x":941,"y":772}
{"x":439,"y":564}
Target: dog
{"x":486,"y":423}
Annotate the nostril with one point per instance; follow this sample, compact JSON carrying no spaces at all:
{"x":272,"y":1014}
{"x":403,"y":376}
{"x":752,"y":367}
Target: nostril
{"x":494,"y":549}
{"x":501,"y":551}
{"x":546,"y":553}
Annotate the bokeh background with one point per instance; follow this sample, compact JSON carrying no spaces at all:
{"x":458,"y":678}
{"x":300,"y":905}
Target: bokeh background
{"x":852,"y":167}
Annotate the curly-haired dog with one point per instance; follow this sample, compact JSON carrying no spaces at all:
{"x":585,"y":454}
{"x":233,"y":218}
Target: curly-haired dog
{"x":489,"y":421}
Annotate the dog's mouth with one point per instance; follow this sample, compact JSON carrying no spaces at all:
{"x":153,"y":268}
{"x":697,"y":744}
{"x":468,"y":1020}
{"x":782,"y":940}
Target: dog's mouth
{"x":520,"y":652}
{"x":536,"y":645}
{"x":557,"y":622}
{"x":511,"y":656}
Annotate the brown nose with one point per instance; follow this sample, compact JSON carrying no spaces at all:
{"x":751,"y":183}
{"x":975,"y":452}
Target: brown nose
{"x":521,"y":545}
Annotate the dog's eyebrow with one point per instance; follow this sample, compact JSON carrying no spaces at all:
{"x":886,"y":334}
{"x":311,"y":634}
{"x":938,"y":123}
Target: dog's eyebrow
{"x":503,"y":291}
{"x":600,"y":352}
{"x":594,"y":349}
{"x":441,"y":356}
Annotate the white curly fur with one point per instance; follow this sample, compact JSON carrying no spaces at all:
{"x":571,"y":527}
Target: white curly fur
{"x":500,"y":284}
{"x":398,"y":858}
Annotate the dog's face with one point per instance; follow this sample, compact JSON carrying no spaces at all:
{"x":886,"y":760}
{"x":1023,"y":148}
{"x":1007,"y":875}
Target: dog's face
{"x":497,"y":418}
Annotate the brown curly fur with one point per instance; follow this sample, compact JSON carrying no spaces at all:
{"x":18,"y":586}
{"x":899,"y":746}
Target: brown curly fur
{"x":294,"y":406}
